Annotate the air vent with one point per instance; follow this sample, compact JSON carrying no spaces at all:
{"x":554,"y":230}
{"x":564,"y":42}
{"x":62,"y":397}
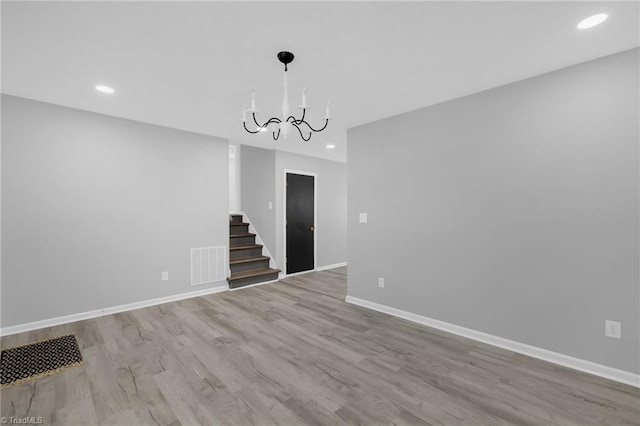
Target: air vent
{"x":208,"y":265}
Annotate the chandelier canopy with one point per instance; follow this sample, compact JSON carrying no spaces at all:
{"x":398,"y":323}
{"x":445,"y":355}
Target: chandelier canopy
{"x":283,"y":125}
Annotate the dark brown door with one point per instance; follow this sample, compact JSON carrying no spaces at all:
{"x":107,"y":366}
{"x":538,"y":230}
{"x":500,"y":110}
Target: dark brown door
{"x":300,"y":223}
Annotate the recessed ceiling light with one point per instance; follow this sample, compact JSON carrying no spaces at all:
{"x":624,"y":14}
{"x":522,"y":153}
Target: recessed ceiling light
{"x":331,"y":146}
{"x":592,"y":21}
{"x":104,"y":89}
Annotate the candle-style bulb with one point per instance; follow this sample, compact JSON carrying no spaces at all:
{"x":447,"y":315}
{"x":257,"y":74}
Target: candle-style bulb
{"x":253,"y":99}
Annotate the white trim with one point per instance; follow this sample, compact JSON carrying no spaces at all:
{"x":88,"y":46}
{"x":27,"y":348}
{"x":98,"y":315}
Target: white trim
{"x":335,"y":265}
{"x":315,"y":219}
{"x":253,"y":230}
{"x":254,"y":285}
{"x":611,"y":373}
{"x":295,"y":274}
{"x":20,"y":328}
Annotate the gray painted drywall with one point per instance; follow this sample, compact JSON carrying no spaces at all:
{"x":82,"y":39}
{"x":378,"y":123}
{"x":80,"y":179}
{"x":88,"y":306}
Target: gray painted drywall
{"x":263,"y":181}
{"x":512,"y":211}
{"x":331,"y":220}
{"x":95,"y":207}
{"x":257,"y":190}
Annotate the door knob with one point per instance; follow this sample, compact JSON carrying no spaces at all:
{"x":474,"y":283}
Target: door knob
{"x":312,"y":229}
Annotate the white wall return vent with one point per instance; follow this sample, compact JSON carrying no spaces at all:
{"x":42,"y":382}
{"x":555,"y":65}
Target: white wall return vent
{"x":208,"y":264}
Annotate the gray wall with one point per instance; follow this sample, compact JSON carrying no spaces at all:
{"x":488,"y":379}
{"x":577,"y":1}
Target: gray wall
{"x":331,"y":184}
{"x":94,"y":208}
{"x":257,"y":190}
{"x":262,"y":181}
{"x":512,"y":211}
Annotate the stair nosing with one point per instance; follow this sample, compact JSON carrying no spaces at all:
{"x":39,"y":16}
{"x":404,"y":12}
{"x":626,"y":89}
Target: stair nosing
{"x":246,"y":247}
{"x":241,"y":260}
{"x":241,"y":235}
{"x":253,"y":273}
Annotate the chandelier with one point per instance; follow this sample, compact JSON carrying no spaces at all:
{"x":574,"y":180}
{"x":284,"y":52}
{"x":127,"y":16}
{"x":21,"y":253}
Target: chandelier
{"x":278,"y":126}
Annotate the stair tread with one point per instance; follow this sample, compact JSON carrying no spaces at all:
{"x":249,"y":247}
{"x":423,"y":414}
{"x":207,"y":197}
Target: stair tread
{"x":241,"y":235}
{"x":238,"y":224}
{"x":248,"y":259}
{"x":247,"y":246}
{"x":252,"y":273}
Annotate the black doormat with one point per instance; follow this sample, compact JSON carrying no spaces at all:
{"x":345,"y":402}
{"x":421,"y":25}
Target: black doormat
{"x":24,"y":363}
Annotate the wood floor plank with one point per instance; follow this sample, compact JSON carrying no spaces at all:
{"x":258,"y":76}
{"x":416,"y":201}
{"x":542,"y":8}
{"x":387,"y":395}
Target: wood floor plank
{"x":293,"y":352}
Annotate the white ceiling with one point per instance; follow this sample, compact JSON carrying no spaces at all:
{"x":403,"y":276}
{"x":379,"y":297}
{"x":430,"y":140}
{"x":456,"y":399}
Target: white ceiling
{"x":192,"y":65}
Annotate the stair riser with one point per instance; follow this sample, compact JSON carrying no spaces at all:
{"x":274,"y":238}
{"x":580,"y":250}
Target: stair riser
{"x":253,"y":280}
{"x":242,"y":241}
{"x":235,"y":230}
{"x":236,"y":219}
{"x":236,"y":254}
{"x":249,"y":266}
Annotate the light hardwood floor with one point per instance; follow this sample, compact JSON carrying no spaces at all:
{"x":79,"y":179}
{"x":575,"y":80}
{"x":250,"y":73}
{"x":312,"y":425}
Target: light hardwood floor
{"x":294,"y":352}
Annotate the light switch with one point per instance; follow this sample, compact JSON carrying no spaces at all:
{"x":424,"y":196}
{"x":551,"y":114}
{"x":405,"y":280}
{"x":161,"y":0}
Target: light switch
{"x":363,"y":217}
{"x":270,"y":205}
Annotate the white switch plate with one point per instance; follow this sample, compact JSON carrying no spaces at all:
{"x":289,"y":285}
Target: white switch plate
{"x":613,"y":329}
{"x":165,"y":276}
{"x":381,"y":282}
{"x":270,"y":205}
{"x":363,"y":217}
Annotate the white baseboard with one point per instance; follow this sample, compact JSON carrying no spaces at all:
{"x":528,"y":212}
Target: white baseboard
{"x":335,"y":265}
{"x":295,"y":274}
{"x":615,"y":374}
{"x":254,"y":285}
{"x":321,"y":268}
{"x":20,"y":328}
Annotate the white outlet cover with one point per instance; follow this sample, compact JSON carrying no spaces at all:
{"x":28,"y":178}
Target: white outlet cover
{"x":363,"y":217}
{"x":270,"y":205}
{"x":381,"y":282}
{"x":613,"y":329}
{"x":165,"y":276}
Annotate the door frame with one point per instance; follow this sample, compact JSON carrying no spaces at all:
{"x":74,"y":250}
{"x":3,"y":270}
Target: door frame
{"x":315,"y":219}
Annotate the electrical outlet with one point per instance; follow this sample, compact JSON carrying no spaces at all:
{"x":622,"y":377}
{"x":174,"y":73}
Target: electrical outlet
{"x":270,"y":205}
{"x":381,"y":282}
{"x":613,"y":329}
{"x":363,"y":218}
{"x":165,"y":276}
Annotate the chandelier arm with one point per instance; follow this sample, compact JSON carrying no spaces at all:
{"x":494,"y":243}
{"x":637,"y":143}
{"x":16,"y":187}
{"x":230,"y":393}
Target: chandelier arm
{"x":244,"y":123}
{"x":301,"y":120}
{"x":276,"y":135}
{"x":253,"y":114}
{"x":326,"y":122}
{"x":271,"y":120}
{"x":304,"y":112}
{"x":300,"y":131}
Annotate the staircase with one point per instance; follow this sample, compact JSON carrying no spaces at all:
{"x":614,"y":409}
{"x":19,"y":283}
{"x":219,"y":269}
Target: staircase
{"x":248,"y":265}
